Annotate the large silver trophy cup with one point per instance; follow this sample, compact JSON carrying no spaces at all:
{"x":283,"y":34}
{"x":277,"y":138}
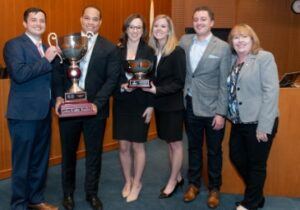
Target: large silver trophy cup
{"x":73,"y":47}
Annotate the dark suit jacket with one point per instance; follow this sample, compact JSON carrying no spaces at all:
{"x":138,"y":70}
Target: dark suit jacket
{"x":29,"y":96}
{"x":137,"y":100}
{"x":101,"y":79}
{"x":169,"y":81}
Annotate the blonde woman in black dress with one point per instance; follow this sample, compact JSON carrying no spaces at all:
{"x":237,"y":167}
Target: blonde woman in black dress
{"x":132,"y":108}
{"x":167,"y":89}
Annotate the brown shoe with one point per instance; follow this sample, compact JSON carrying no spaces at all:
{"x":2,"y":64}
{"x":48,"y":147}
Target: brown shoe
{"x":213,"y":199}
{"x":191,"y":193}
{"x":42,"y":206}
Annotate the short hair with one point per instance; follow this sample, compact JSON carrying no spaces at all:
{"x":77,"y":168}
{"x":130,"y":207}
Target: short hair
{"x":124,"y":37}
{"x":207,"y":9}
{"x":32,"y":10}
{"x":171,"y":40}
{"x":92,"y":6}
{"x":244,"y":29}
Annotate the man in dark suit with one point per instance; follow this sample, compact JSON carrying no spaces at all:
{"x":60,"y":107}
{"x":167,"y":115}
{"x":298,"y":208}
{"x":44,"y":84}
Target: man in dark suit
{"x":100,"y":73}
{"x":28,"y":112}
{"x":208,"y":65}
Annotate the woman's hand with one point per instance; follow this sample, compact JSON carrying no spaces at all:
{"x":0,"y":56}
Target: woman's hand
{"x":125,"y":87}
{"x":152,"y":89}
{"x":261,"y":136}
{"x":218,"y":122}
{"x":148,"y":114}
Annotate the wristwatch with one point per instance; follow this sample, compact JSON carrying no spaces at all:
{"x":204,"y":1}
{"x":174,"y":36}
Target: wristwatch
{"x":296,"y":6}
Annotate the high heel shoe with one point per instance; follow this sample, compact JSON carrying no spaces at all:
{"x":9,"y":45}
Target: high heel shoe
{"x":134,"y":193}
{"x":126,"y":190}
{"x":164,"y":195}
{"x":180,"y":184}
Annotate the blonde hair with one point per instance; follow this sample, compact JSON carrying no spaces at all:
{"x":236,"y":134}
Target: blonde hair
{"x":171,"y":39}
{"x":245,"y":30}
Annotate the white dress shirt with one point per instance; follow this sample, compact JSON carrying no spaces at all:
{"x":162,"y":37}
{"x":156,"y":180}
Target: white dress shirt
{"x":197,"y":50}
{"x":84,"y":63}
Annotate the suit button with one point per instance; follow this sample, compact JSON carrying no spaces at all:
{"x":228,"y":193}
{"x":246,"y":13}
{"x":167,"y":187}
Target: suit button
{"x":240,"y":103}
{"x":238,"y":88}
{"x":193,"y":76}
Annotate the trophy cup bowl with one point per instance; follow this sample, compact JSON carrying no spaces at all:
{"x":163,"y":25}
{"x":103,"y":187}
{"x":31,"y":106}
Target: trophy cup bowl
{"x":140,"y":69}
{"x":74,"y":47}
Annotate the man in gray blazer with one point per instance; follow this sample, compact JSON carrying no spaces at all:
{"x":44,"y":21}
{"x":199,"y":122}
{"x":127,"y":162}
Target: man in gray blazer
{"x":208,"y":65}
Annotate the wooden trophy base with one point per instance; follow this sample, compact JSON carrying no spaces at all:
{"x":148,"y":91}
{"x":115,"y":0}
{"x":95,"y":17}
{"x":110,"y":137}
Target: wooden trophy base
{"x":76,"y":105}
{"x":76,"y":109}
{"x":139,"y":83}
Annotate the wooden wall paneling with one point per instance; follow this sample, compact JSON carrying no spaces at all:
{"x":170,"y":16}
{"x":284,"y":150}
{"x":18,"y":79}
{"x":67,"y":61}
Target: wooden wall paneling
{"x":5,"y":148}
{"x":271,"y":26}
{"x":274,"y":22}
{"x":178,"y":17}
{"x":294,"y":43}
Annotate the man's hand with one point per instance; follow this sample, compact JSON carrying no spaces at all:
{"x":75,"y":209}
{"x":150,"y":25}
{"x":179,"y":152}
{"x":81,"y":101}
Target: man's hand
{"x":59,"y":101}
{"x":95,"y":109}
{"x":51,"y":52}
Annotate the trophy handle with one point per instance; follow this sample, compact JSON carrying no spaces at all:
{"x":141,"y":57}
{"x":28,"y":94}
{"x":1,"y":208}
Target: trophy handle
{"x":53,"y":36}
{"x":89,"y":35}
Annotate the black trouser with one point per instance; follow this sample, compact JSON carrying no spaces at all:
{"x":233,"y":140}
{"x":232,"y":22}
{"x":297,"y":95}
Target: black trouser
{"x":195,"y":129}
{"x":93,"y":132}
{"x":250,"y":159}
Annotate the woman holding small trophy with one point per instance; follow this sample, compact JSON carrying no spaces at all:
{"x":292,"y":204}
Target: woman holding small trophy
{"x":167,"y":88}
{"x":132,"y":107}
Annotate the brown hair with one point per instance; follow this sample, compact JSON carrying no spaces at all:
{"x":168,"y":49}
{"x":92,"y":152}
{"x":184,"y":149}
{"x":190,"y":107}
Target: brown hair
{"x":32,"y":10}
{"x":207,"y":9}
{"x":124,"y":37}
{"x":244,"y":29}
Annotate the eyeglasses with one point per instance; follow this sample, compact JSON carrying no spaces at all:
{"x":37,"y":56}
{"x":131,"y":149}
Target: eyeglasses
{"x":135,"y":27}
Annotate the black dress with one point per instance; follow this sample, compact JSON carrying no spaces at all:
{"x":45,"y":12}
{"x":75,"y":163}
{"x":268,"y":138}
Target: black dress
{"x":128,"y":108}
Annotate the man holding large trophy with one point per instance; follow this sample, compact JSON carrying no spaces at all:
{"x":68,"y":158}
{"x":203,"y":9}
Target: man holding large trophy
{"x":82,"y":94}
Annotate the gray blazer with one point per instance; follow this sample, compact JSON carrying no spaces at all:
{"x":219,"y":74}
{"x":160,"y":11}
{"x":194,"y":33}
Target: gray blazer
{"x":258,"y":90}
{"x":208,"y":82}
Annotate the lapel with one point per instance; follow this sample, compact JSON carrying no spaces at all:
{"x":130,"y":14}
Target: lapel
{"x":161,"y":61}
{"x":211,"y":45}
{"x":189,"y":44}
{"x":139,"y":52}
{"x":30,"y":46}
{"x":247,"y":65}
